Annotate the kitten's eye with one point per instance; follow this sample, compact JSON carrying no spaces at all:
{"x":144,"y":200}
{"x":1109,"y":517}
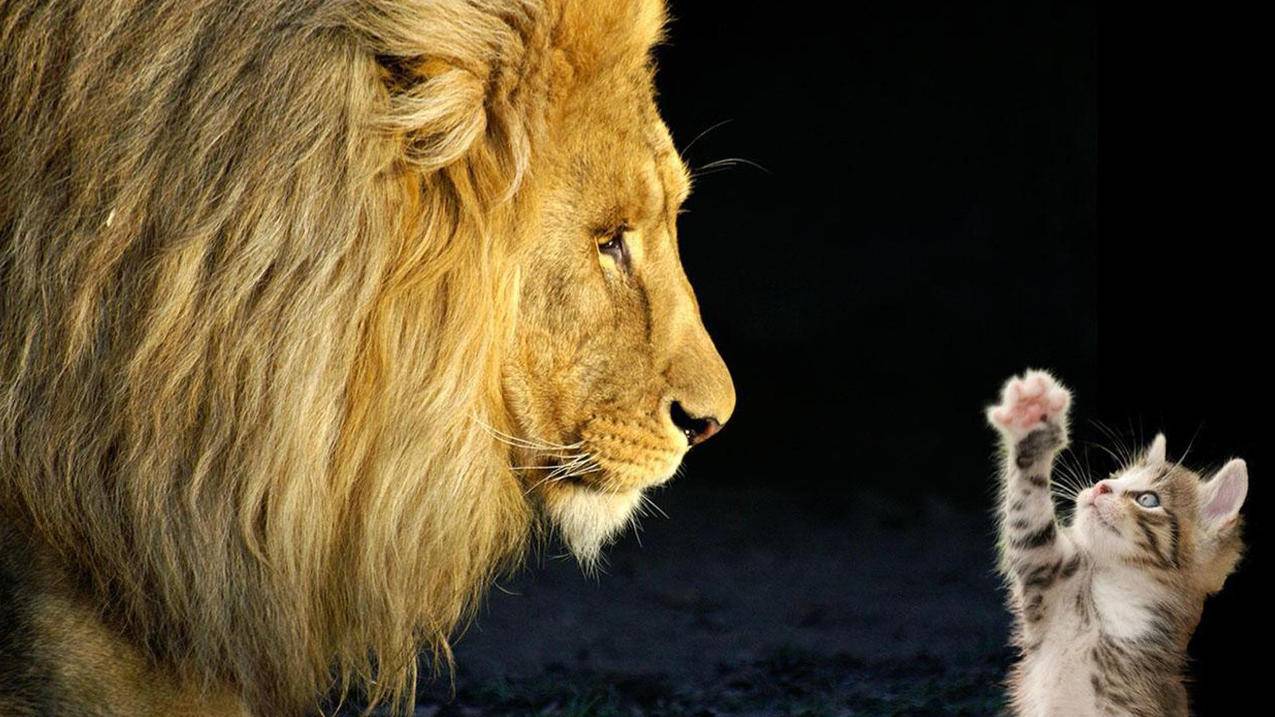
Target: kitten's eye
{"x":1148,"y":500}
{"x":614,"y":246}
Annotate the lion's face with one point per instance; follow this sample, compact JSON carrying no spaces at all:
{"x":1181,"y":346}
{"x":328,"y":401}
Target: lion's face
{"x":613,"y":376}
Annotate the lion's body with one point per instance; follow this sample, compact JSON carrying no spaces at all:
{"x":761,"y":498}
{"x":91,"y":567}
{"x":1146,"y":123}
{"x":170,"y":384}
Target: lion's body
{"x":260,"y":268}
{"x":57,"y":657}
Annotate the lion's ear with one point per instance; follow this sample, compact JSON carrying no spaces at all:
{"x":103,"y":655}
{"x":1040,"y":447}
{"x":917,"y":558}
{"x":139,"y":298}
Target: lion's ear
{"x":593,"y":36}
{"x":451,"y":73}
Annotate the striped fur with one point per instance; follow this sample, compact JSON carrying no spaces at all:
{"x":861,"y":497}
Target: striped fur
{"x":1104,"y":607}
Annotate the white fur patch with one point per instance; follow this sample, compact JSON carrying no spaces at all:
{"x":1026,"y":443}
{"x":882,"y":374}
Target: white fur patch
{"x":1056,"y":680}
{"x":589,"y":519}
{"x":1123,"y":600}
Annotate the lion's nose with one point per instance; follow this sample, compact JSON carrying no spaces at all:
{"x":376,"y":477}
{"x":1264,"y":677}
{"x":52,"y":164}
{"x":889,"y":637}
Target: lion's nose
{"x":696,"y":430}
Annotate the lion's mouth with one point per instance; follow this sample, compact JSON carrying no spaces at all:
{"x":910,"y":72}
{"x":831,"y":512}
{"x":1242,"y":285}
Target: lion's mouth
{"x":590,"y":488}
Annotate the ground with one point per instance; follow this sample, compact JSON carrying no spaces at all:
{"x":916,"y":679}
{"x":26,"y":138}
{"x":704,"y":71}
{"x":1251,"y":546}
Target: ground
{"x":749,"y":602}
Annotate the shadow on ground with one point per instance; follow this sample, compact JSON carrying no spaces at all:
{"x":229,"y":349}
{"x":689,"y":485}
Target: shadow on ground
{"x":749,"y":602}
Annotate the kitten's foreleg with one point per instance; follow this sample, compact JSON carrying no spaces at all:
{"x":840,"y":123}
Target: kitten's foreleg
{"x":1032,"y":421}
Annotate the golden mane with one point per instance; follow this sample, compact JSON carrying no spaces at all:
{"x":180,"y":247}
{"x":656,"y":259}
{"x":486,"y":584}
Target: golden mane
{"x":254,"y":288}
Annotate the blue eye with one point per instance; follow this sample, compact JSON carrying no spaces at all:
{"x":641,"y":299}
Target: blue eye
{"x":1149,"y":500}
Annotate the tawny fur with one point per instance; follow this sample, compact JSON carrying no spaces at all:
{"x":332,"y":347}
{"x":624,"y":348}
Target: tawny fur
{"x":261,"y":272}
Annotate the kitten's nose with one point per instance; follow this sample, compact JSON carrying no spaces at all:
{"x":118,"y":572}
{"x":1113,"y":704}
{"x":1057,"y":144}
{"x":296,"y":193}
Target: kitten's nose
{"x":1101,"y":488}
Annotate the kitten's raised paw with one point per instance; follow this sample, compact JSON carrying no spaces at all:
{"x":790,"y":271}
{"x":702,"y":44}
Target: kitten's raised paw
{"x":1028,"y":402}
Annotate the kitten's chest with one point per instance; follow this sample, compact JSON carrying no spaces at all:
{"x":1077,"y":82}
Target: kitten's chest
{"x":1087,"y":606}
{"x":1056,"y":678}
{"x":1092,"y":629}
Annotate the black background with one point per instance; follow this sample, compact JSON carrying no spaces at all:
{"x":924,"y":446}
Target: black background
{"x":923,"y":213}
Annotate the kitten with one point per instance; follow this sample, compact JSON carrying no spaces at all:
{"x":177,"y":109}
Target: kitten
{"x":1104,"y":607}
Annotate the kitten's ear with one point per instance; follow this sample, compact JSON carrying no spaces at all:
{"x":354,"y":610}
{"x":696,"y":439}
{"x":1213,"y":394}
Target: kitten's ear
{"x":1219,"y":540}
{"x":1156,"y":451}
{"x":1222,"y":496}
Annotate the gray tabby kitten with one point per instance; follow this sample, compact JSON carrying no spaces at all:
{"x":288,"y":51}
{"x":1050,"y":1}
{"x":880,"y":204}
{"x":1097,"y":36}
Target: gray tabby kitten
{"x":1105,"y":606}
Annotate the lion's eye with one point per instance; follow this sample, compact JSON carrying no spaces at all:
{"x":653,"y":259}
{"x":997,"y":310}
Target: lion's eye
{"x":614,"y":246}
{"x":1148,"y":500}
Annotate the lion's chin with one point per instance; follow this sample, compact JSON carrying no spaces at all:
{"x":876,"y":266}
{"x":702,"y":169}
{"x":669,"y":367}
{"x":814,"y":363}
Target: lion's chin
{"x":588,"y":519}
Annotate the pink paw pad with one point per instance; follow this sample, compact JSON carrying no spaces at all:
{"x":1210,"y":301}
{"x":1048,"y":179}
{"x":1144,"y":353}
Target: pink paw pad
{"x":1028,"y":401}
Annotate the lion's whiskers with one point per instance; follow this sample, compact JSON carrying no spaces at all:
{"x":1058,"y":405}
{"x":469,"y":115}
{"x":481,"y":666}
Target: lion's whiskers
{"x":582,"y":465}
{"x":725,"y":164}
{"x":646,"y":503}
{"x":567,"y":460}
{"x":552,"y":466}
{"x":535,"y":444}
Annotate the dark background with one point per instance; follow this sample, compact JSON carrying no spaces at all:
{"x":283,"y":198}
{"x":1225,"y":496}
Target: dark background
{"x":924,"y":226}
{"x":920,"y":212}
{"x":933,"y":220}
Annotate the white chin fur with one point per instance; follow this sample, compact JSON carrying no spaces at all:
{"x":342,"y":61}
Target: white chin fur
{"x":588,"y":519}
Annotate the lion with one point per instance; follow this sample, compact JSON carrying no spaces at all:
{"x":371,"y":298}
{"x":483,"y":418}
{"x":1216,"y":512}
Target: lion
{"x":314,"y":318}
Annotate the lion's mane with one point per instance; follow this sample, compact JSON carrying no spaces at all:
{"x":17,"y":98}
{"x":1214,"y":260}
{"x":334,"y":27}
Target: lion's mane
{"x":253,"y":291}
